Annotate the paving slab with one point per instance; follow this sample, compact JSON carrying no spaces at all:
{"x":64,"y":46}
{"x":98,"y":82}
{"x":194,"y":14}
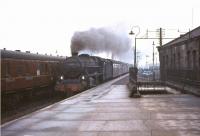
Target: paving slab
{"x":107,"y":110}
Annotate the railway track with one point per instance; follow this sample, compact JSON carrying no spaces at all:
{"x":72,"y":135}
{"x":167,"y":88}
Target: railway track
{"x":11,"y":112}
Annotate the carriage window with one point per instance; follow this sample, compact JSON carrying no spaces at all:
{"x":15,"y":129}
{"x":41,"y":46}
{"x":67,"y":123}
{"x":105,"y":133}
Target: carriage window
{"x":20,"y":70}
{"x":27,"y":68}
{"x":46,"y":68}
{"x":38,"y":71}
{"x":42,"y":68}
{"x":7,"y":69}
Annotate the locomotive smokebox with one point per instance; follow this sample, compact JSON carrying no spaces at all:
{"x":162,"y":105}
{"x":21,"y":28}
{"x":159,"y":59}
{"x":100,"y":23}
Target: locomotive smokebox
{"x":74,"y":54}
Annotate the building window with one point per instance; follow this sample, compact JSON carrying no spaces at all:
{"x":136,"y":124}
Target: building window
{"x":171,"y":62}
{"x":194,"y":60}
{"x":179,"y":60}
{"x":164,"y":62}
{"x":174,"y":60}
{"x":167,"y":61}
{"x":188,"y":60}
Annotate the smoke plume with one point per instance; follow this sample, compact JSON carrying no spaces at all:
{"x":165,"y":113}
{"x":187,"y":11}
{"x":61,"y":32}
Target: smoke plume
{"x":99,"y":40}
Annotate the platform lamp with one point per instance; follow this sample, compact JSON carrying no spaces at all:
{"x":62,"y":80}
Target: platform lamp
{"x":132,"y":33}
{"x":134,"y":70}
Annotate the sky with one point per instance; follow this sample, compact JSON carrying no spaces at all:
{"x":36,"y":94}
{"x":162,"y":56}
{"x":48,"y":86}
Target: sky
{"x":47,"y":26}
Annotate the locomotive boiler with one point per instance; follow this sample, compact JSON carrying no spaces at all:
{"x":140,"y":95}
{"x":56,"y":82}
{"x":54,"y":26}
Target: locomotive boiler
{"x":84,"y":71}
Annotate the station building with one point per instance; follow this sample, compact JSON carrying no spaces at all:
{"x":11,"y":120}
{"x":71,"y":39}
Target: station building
{"x":180,"y":61}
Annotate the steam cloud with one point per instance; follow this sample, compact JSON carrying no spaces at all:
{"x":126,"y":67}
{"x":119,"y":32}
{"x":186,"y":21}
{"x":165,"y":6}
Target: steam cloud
{"x":99,"y":40}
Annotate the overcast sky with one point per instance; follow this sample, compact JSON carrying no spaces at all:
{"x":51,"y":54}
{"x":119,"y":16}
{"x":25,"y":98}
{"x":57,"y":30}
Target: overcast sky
{"x":45,"y":26}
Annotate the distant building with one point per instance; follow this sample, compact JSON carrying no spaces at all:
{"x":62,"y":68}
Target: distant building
{"x":180,"y":60}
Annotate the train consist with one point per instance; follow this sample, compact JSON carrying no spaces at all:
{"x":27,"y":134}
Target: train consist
{"x":84,"y":71}
{"x":23,"y":72}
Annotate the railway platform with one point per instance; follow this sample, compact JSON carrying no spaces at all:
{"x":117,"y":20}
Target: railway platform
{"x":107,"y":110}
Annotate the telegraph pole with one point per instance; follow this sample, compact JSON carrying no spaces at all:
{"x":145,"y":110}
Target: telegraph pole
{"x":160,"y":37}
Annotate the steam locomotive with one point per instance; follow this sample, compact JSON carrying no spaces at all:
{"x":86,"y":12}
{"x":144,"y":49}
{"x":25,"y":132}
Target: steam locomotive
{"x":23,"y":73}
{"x":84,"y":71}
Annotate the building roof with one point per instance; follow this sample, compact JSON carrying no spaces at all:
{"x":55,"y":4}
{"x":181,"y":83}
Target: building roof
{"x":28,"y":56}
{"x":189,"y":35}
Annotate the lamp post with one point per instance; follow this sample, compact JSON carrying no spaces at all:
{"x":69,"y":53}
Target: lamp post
{"x":133,"y":70}
{"x":132,"y":33}
{"x":153,"y":63}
